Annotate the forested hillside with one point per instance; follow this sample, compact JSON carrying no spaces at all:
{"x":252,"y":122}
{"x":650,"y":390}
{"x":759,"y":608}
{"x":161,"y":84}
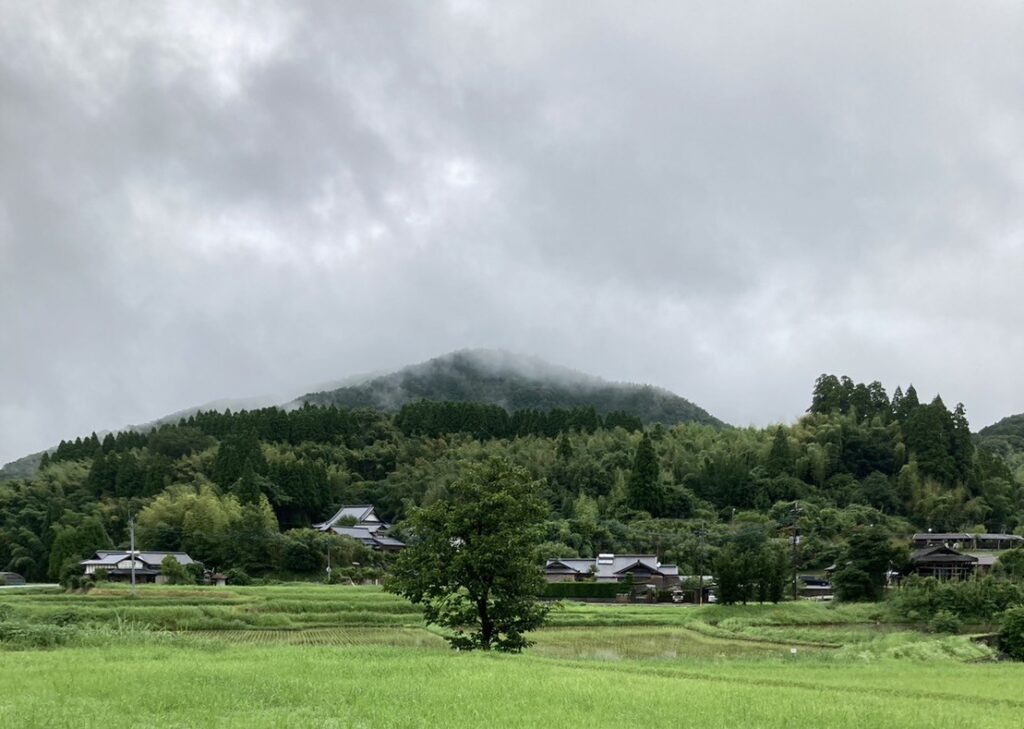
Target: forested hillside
{"x":239,"y":489}
{"x":1007,"y":439}
{"x":513,"y":382}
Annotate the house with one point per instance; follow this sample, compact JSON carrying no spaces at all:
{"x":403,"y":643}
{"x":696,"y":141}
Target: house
{"x":963,"y":540}
{"x":645,"y":569}
{"x":360,"y":522}
{"x":117,"y":564}
{"x":363,"y":516}
{"x":942,"y":562}
{"x":997,"y":542}
{"x":956,"y":540}
{"x":11,"y":579}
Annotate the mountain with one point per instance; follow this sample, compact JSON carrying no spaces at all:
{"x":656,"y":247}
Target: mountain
{"x":515,"y":382}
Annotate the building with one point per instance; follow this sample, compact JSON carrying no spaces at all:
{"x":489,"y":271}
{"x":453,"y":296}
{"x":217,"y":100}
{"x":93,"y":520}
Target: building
{"x":645,"y":569}
{"x":117,"y":564}
{"x":362,"y":516}
{"x":360,"y":522}
{"x":964,"y":540}
{"x":942,"y":562}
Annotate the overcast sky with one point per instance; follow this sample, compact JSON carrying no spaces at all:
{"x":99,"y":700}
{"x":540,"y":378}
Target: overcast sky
{"x":209,"y":200}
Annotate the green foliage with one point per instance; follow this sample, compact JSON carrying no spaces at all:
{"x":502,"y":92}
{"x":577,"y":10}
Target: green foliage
{"x":1011,"y":564}
{"x":1011,"y":634}
{"x":173,"y":571}
{"x":852,"y":584}
{"x":73,"y":544}
{"x":871,"y":552}
{"x":645,"y":491}
{"x":980,"y":600}
{"x":223,"y":486}
{"x":945,"y":621}
{"x":751,"y":568}
{"x":471,"y":566}
{"x":238,"y":576}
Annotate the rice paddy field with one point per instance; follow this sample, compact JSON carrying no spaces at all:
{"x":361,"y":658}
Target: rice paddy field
{"x":319,"y":656}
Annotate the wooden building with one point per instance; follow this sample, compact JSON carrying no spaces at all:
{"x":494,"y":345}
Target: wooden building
{"x":944,"y":563}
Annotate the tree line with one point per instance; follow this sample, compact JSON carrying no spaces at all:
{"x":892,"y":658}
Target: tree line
{"x":857,"y":460}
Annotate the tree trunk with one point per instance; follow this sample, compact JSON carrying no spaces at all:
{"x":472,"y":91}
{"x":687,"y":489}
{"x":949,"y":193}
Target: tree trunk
{"x":486,"y":625}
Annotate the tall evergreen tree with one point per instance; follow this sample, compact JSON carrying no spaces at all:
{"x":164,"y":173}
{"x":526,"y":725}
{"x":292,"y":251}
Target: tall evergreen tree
{"x":644,"y":489}
{"x":780,"y":459}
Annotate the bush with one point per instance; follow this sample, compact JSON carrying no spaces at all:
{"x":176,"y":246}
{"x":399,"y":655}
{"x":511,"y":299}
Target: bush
{"x":945,"y":622}
{"x":854,"y":585}
{"x":238,"y":576}
{"x":606,"y":590}
{"x":173,"y":571}
{"x":970,"y":600}
{"x":1011,"y":634}
{"x":195,"y":573}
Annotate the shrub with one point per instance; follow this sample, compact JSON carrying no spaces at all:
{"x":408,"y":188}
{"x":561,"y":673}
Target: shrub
{"x":238,"y":576}
{"x":944,"y":622}
{"x":173,"y":571}
{"x":194,"y":572}
{"x":1011,"y":634}
{"x":854,"y":585}
{"x":971,"y":600}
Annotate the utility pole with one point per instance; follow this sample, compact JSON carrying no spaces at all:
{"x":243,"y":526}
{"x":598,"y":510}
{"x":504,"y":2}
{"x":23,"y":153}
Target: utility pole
{"x":328,"y":563}
{"x":796,"y":545}
{"x":700,"y":566}
{"x":131,"y":532}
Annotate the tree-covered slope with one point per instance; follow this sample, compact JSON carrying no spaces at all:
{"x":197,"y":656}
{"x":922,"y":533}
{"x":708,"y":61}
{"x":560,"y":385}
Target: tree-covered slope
{"x":241,"y":489}
{"x":513,"y":382}
{"x":1007,"y":439}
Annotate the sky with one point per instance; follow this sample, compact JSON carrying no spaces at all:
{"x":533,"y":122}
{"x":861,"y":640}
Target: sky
{"x":214,"y":200}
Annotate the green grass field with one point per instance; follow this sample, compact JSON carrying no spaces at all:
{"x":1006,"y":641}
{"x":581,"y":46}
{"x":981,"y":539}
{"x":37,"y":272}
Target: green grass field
{"x":318,"y":656}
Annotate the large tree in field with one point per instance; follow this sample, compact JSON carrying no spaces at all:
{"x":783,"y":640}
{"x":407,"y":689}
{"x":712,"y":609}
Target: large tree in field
{"x":470,"y":562}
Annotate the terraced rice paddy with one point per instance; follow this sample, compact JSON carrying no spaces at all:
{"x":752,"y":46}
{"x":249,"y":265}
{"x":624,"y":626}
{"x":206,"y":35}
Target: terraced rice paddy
{"x":317,"y":656}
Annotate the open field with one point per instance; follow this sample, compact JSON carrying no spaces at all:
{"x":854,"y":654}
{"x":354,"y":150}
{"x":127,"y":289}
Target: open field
{"x":317,"y":656}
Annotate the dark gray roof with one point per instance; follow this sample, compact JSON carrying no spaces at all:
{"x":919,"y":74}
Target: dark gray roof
{"x":367,"y":537}
{"x":940,"y":554}
{"x":108,"y":558}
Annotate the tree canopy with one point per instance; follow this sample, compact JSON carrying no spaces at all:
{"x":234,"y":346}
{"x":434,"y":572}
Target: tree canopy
{"x":471,"y":562}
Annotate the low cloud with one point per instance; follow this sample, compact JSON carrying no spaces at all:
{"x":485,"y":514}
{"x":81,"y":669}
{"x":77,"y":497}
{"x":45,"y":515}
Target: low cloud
{"x":203,"y":201}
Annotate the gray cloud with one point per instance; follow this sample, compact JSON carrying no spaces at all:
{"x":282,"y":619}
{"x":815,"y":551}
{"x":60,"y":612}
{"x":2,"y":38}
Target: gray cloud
{"x":202,"y":201}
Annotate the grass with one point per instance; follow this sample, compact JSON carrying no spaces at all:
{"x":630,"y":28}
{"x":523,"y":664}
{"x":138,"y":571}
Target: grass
{"x":319,"y":656}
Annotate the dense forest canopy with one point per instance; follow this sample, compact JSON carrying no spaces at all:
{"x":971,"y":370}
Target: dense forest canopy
{"x":241,"y":489}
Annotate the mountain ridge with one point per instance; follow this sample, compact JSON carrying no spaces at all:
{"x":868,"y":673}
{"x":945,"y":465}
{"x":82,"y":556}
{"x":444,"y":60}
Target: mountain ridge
{"x":492,"y":376}
{"x":515,"y":382}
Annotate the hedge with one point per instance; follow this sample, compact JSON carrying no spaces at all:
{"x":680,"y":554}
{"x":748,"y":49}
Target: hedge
{"x":559,"y":590}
